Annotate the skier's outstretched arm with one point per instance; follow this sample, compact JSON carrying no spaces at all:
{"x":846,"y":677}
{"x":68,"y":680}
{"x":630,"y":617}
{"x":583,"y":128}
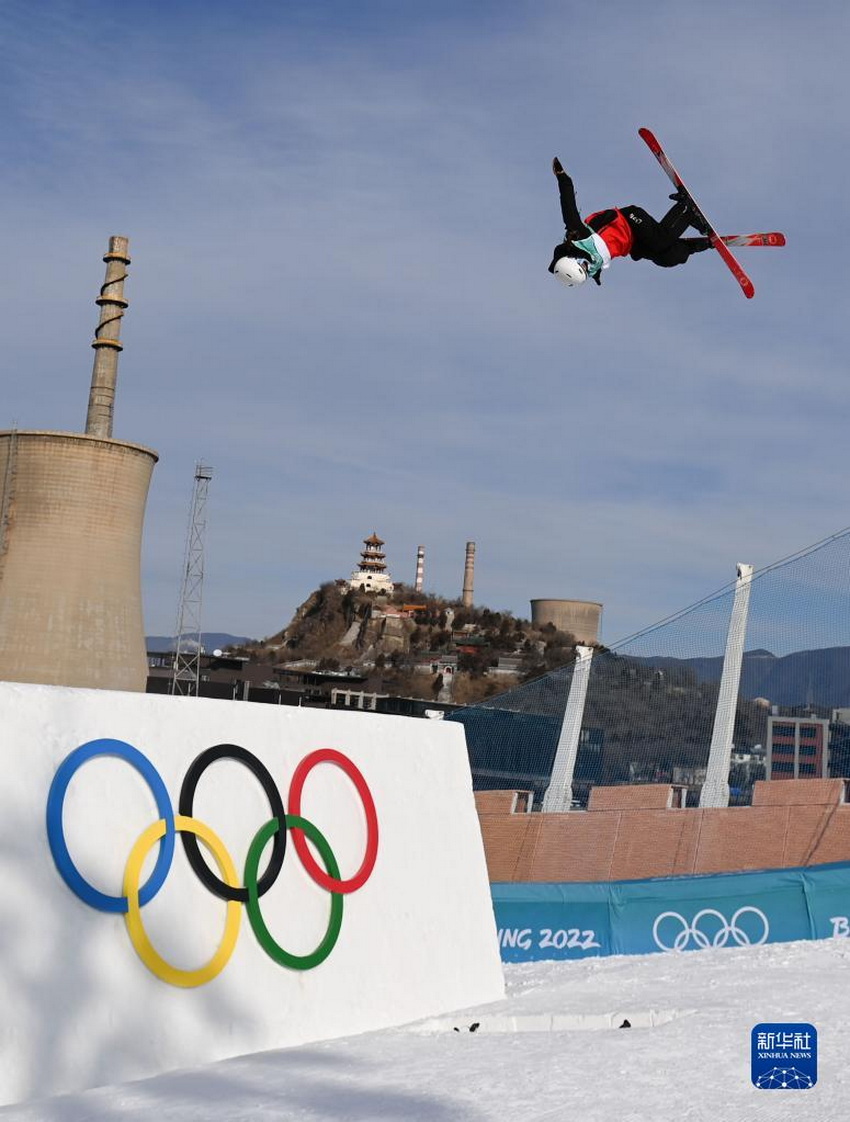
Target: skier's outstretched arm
{"x":573,"y":221}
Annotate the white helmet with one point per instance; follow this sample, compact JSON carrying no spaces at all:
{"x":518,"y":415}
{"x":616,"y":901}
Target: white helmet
{"x":571,"y":271}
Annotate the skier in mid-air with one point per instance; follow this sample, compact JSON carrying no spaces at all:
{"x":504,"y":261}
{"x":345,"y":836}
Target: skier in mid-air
{"x":590,"y":244}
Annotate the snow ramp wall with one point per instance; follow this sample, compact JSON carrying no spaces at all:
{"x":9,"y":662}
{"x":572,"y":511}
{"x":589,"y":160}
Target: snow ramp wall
{"x":127,"y":952}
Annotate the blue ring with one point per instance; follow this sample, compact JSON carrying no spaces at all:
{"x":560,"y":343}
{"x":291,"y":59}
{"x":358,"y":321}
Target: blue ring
{"x":56,"y":832}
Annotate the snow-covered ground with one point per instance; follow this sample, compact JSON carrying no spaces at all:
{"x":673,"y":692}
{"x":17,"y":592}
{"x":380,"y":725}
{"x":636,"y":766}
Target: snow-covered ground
{"x":546,"y":1052}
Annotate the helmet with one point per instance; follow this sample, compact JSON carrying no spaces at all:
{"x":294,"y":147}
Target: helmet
{"x":571,"y":271}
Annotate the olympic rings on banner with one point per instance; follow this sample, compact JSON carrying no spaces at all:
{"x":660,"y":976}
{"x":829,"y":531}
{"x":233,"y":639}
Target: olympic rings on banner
{"x":332,"y":883}
{"x":192,"y":830}
{"x":702,"y":939}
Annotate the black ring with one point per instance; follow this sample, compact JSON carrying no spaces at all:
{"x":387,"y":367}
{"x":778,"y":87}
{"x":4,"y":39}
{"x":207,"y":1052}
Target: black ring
{"x":190,"y":842}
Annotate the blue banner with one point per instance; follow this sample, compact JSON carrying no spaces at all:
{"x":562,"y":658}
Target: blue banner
{"x":561,"y":921}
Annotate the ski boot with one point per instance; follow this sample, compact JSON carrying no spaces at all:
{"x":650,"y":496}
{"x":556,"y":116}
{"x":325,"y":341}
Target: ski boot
{"x":680,"y":195}
{"x":698,"y":222}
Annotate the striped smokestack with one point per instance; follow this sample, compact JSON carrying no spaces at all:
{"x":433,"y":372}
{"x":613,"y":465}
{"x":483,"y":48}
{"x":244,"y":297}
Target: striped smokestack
{"x":468,"y":575}
{"x":106,"y":343}
{"x":420,"y":568}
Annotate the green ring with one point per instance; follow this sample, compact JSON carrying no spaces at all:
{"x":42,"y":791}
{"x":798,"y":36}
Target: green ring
{"x":255,"y":915}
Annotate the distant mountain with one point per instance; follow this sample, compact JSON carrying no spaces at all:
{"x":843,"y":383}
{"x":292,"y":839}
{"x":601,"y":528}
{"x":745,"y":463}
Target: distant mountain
{"x":819,"y":677}
{"x":210,"y":640}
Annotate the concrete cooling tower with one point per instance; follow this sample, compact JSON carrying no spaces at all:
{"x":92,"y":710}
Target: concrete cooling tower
{"x":578,"y":617}
{"x":71,"y":514}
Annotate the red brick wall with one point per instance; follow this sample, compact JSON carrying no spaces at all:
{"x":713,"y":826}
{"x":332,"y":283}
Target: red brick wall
{"x":495,"y":802}
{"x":798,"y":791}
{"x":623,"y":843}
{"x":644,"y":796}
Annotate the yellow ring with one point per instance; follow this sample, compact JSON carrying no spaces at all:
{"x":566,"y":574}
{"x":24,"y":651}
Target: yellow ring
{"x":133,"y":917}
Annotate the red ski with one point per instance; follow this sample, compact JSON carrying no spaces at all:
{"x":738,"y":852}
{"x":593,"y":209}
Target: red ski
{"x":773,"y":238}
{"x":716,"y":241}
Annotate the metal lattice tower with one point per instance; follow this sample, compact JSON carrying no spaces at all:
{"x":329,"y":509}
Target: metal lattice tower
{"x":187,"y":653}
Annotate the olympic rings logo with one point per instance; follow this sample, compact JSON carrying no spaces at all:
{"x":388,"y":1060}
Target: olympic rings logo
{"x":720,"y":937}
{"x":226,"y":886}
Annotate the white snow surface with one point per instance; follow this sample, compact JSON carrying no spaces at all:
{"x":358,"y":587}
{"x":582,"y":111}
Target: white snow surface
{"x":545,"y":1052}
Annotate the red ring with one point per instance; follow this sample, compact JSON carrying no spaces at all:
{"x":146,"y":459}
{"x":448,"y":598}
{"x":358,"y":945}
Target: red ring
{"x":333,"y":884}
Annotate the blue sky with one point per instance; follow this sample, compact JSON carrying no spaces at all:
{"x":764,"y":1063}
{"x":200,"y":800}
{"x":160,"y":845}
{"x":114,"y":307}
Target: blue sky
{"x":340,"y":217}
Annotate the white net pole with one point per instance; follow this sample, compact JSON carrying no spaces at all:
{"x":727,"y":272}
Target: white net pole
{"x":715,"y":790}
{"x":559,"y":793}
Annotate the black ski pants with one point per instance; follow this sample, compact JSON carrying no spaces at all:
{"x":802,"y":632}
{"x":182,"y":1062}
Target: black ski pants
{"x":660,"y":242}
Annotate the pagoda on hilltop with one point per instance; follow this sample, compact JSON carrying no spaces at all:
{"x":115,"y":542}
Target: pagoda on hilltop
{"x":372,"y":575}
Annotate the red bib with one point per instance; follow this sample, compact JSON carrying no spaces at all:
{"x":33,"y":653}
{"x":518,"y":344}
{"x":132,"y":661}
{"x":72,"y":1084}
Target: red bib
{"x":617,"y":235}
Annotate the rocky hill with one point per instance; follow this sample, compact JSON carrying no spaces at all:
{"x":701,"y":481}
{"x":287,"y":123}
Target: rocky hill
{"x":414,"y":645}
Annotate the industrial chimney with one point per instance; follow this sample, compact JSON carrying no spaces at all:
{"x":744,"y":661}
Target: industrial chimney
{"x":71,"y":514}
{"x":106,"y":343}
{"x":420,"y":568}
{"x":468,"y":575}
